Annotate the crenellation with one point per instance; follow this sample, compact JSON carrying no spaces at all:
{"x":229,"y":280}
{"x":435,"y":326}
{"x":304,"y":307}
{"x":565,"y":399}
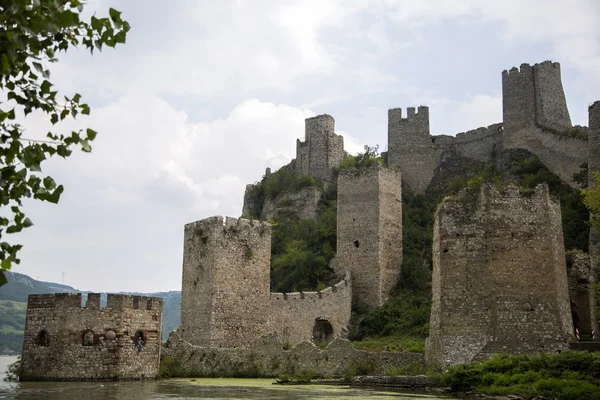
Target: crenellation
{"x":93,"y":301}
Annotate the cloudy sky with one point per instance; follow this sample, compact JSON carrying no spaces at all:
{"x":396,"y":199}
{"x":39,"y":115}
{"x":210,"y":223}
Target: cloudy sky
{"x":206,"y":94}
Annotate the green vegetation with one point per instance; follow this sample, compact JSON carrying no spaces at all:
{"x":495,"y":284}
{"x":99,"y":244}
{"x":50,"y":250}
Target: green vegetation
{"x":569,"y":375}
{"x":32,"y":33}
{"x":302,"y":249}
{"x":591,"y":199}
{"x":395,"y":342}
{"x":169,"y":367}
{"x":362,"y":161}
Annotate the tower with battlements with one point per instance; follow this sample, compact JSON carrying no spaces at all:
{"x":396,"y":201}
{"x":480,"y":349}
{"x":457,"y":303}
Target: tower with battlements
{"x":322,"y":149}
{"x":67,"y":342}
{"x":410,"y":148}
{"x":369,"y":232}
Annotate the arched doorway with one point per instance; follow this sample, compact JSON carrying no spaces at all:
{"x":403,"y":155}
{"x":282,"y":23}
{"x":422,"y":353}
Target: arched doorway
{"x":322,"y":331}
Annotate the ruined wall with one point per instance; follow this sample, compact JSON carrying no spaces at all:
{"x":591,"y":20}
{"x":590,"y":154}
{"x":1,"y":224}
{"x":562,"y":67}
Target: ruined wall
{"x":480,"y":144}
{"x":322,"y":149}
{"x":225,"y":285}
{"x":499,"y":277}
{"x":268,"y":359}
{"x":536,"y":118}
{"x":582,"y":294}
{"x":369,"y":232}
{"x":594,"y":166}
{"x":64,"y":341}
{"x":294,"y":315}
{"x":410,"y":148}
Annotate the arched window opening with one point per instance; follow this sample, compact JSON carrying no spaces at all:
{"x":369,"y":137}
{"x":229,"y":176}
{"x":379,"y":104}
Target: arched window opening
{"x":139,"y":339}
{"x":322,"y":331}
{"x":87,"y":338}
{"x":42,"y":339}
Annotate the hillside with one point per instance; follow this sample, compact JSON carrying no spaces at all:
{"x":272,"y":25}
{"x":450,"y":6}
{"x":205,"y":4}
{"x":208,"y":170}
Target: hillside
{"x":13,"y":307}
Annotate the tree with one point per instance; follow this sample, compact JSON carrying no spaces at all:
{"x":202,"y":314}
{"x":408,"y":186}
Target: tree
{"x":591,"y":199}
{"x":32,"y":32}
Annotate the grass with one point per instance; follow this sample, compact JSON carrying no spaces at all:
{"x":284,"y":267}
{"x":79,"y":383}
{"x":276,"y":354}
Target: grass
{"x":408,"y":342}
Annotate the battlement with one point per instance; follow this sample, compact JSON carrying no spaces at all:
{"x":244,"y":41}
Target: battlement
{"x":420,"y":114}
{"x":321,"y":124}
{"x":321,"y":150}
{"x":479,"y":133}
{"x":321,"y":294}
{"x":65,"y":301}
{"x":219,"y":226}
{"x":594,"y":115}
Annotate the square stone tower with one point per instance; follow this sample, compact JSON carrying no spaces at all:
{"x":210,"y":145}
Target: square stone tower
{"x":410,"y":147}
{"x":499,"y":277}
{"x":225,"y":289}
{"x":369,"y":232}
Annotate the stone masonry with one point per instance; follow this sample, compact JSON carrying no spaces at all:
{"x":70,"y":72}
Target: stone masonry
{"x":594,"y":166}
{"x":369,"y":232}
{"x":322,"y":149}
{"x":582,"y":295}
{"x":67,"y":342}
{"x":499,"y":277}
{"x":225,"y":298}
{"x":535,"y":118}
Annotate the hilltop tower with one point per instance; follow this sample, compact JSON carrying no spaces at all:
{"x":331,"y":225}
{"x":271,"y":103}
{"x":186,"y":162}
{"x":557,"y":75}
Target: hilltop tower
{"x":225,"y":285}
{"x":322,"y":149}
{"x":499,"y":278}
{"x":64,"y":341}
{"x":534,"y":96}
{"x":369,"y":232}
{"x":410,"y":149}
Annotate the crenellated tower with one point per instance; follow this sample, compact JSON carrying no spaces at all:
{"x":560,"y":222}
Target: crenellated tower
{"x":369,"y":232}
{"x":322,"y":149}
{"x":410,"y":148}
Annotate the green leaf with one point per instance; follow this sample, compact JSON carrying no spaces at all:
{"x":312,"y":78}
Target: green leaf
{"x":3,"y":279}
{"x":66,"y":19}
{"x":5,"y":265}
{"x":85,"y":146}
{"x":49,"y":183}
{"x":76,"y":98}
{"x":91,"y":134}
{"x":45,"y":87}
{"x":85,"y":109}
{"x":115,"y":15}
{"x":27,"y":223}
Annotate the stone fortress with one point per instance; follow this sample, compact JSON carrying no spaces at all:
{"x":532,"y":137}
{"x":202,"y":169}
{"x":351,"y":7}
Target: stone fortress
{"x":65,"y":341}
{"x":500,"y":279}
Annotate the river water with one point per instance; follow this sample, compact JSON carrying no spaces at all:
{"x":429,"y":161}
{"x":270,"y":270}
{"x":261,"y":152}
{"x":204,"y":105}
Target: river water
{"x":201,"y":388}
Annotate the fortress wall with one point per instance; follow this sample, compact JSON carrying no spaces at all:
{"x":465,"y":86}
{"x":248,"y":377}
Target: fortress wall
{"x":481,"y":143}
{"x":225,"y":288}
{"x":582,"y":295}
{"x":293,"y":315}
{"x":410,"y":148}
{"x":64,"y":341}
{"x":499,"y":279}
{"x":594,"y":166}
{"x":369,"y":232}
{"x":268,"y":359}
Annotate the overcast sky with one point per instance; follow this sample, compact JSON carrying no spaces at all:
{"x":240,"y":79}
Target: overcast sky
{"x":206,"y":94}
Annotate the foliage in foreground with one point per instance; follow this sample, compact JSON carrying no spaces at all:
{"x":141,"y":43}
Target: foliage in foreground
{"x":31,"y":34}
{"x":570,"y":375}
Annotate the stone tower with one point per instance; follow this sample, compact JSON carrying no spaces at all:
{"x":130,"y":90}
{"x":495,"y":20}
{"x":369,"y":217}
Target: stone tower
{"x":225,"y":289}
{"x":322,"y":149}
{"x":369,"y":232}
{"x":499,"y":277}
{"x":534,"y":96}
{"x":410,"y":149}
{"x":594,"y":166}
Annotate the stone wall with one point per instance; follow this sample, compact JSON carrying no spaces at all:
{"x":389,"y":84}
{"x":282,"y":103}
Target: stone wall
{"x":582,"y":294}
{"x":410,"y":148}
{"x":65,"y":341}
{"x":297,"y":317}
{"x":270,"y":360}
{"x":594,"y":166}
{"x":322,"y":149}
{"x":225,"y":284}
{"x":369,"y":232}
{"x":480,"y":144}
{"x":499,"y":277}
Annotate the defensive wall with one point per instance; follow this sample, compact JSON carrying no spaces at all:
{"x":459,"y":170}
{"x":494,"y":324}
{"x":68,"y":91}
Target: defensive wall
{"x":369,"y":232}
{"x":269,"y":359}
{"x":535,"y":118}
{"x":499,"y":277}
{"x":594,"y":166}
{"x":312,"y":316}
{"x":582,"y":295}
{"x":64,"y":341}
{"x":226,"y":302}
{"x":322,"y":149}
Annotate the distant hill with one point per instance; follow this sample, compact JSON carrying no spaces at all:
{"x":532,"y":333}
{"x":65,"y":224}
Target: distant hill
{"x":13,"y":307}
